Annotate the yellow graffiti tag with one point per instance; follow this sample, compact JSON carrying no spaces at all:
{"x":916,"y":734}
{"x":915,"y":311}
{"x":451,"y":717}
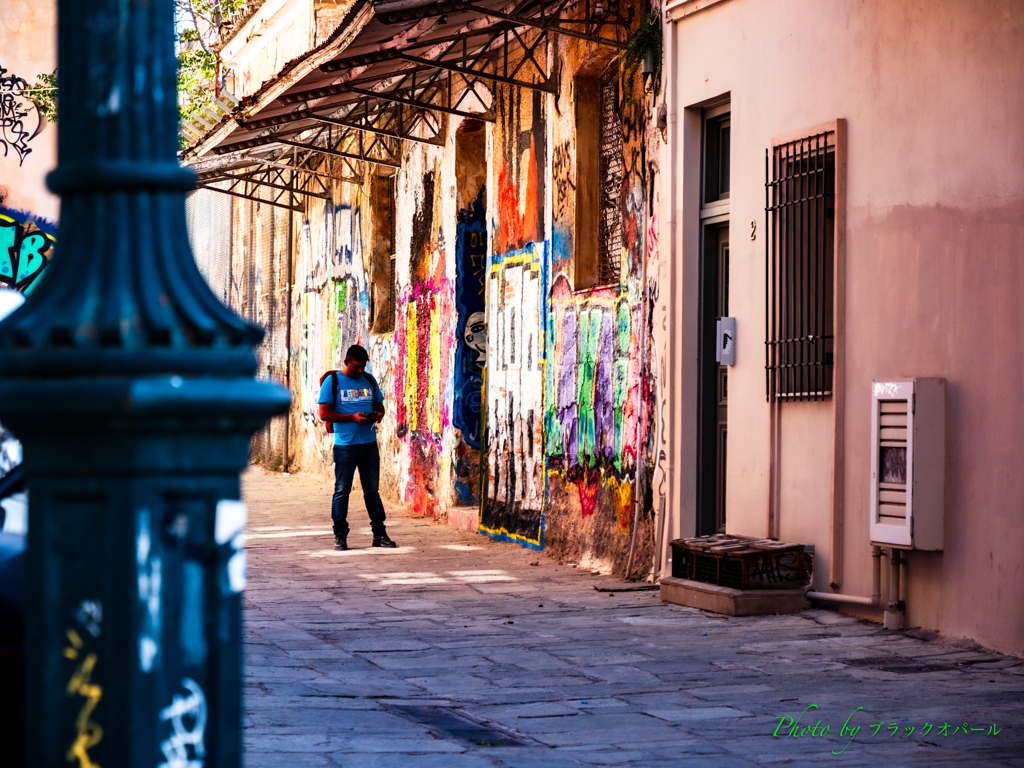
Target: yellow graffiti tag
{"x":89,"y":734}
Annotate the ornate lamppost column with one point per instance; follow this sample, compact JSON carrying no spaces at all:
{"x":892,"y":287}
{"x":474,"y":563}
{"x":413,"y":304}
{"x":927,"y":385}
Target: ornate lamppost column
{"x":130,"y":387}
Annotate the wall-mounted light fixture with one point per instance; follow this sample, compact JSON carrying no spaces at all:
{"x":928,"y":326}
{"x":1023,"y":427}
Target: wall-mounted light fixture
{"x":648,"y":66}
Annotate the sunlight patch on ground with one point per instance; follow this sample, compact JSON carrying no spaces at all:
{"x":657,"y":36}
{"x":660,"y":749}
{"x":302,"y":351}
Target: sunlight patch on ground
{"x":357,"y":552}
{"x":481,"y":577}
{"x":389,"y":579}
{"x":427,"y":577}
{"x":288,"y":534}
{"x":460,"y":547}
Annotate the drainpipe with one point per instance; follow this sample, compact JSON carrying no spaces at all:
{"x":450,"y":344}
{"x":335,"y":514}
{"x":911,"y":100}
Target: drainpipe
{"x":670,"y":205}
{"x":894,"y":610}
{"x":638,"y":490}
{"x":288,"y":336}
{"x":876,"y":589}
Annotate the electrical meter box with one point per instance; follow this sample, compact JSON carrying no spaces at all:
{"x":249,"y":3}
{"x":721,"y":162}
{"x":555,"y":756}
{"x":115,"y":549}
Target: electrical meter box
{"x":908,"y":461}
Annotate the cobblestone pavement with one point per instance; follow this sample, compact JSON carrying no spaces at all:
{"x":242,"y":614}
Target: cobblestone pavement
{"x":457,"y":651}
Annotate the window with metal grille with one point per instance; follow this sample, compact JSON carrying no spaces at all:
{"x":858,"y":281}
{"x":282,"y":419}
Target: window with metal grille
{"x":598,"y":188}
{"x":610,"y":216}
{"x":800,"y":211}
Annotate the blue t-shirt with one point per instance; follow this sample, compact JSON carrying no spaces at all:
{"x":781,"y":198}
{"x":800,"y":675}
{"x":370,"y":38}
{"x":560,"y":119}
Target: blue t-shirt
{"x":354,"y":396}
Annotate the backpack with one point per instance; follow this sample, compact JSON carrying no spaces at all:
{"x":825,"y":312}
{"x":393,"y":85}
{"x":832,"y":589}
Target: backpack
{"x":329,"y":425}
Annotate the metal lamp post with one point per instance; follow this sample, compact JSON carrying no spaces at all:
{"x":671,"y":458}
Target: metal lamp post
{"x":130,"y":387}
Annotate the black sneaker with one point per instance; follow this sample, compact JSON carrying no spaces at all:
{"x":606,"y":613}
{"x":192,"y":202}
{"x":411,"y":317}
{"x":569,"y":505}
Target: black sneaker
{"x":384,"y":541}
{"x":340,"y":543}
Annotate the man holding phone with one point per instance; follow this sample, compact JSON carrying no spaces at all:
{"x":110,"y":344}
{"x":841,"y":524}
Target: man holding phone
{"x":351,"y":401}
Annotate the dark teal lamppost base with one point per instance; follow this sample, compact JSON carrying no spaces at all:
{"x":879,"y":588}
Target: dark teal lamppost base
{"x":130,"y":387}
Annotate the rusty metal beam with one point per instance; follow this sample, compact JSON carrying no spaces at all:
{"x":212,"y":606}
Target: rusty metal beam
{"x":487,"y":116}
{"x":541,"y":23}
{"x":397,"y":96}
{"x":548,"y":86}
{"x":296,"y":208}
{"x":379,"y":131}
{"x":338,"y":153}
{"x":249,"y":179}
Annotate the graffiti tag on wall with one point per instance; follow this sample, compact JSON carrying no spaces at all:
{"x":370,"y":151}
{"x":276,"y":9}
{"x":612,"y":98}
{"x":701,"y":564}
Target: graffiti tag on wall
{"x":20,"y":119}
{"x":514,"y":495}
{"x":25,"y":251}
{"x":88,"y":733}
{"x":187,"y":716}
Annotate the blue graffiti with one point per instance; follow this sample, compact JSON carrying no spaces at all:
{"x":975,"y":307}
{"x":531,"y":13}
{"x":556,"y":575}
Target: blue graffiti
{"x":25,"y":251}
{"x":471,"y":348}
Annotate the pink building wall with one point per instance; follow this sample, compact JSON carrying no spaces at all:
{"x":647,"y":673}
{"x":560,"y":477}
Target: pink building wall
{"x":932,"y":93}
{"x":28,"y":29}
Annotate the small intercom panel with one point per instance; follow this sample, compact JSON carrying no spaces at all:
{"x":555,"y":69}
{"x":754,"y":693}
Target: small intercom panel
{"x":725,"y":336}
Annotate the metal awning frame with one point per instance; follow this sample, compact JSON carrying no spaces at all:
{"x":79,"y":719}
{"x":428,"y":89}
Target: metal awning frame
{"x":458,"y":67}
{"x":353,"y":121}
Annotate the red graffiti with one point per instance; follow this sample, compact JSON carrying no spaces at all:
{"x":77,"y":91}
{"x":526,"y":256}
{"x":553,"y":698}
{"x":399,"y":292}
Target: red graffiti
{"x":510,"y":232}
{"x":530,"y":219}
{"x":516,"y":227}
{"x":588,"y":496}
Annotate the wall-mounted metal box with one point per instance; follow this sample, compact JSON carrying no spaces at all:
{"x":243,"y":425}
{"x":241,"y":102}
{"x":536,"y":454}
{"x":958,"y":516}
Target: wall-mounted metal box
{"x":908,"y":461}
{"x":725,"y":345}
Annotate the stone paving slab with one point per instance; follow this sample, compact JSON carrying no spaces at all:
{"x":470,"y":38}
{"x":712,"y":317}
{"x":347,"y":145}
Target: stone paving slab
{"x":341,"y":648}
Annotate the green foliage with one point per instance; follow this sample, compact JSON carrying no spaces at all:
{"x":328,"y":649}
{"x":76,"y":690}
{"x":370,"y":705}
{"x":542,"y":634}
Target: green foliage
{"x":198,"y":25}
{"x":44,"y":95}
{"x":646,"y":37}
{"x":197,"y":69}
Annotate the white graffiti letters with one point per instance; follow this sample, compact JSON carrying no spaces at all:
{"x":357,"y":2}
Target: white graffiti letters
{"x":182,"y":711}
{"x":150,"y":585}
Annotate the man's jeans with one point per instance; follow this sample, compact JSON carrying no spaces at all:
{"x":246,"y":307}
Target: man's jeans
{"x":347,"y":458}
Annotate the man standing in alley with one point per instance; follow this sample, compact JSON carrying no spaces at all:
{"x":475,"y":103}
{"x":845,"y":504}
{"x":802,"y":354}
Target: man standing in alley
{"x":351,"y":401}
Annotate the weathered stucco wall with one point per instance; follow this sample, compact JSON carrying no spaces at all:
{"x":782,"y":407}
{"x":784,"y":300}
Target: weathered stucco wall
{"x":932,"y":95}
{"x":267,"y":42}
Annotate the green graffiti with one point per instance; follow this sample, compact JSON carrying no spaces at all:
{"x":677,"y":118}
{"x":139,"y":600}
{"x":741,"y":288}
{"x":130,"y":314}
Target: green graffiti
{"x":625,"y":327}
{"x":619,"y":395}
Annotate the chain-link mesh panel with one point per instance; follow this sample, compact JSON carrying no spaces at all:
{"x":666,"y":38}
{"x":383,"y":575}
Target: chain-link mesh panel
{"x":208,"y":215}
{"x":262,"y":280}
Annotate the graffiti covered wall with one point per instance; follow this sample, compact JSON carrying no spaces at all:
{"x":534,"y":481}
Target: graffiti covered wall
{"x":599,"y":380}
{"x":514,"y":497}
{"x":425,"y":325}
{"x":512,"y":506}
{"x":329,"y":303}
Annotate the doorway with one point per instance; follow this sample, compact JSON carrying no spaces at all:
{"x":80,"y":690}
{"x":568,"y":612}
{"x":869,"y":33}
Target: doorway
{"x":713,"y":390}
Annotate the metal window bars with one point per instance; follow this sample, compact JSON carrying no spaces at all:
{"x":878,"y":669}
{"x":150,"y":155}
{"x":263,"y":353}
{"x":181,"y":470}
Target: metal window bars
{"x":800,"y":212}
{"x":610,"y":213}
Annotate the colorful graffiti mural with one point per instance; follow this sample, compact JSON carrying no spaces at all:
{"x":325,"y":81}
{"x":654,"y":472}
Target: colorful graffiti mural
{"x":593,"y":392}
{"x":25,"y":250}
{"x":421,"y":388}
{"x":514,"y":481}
